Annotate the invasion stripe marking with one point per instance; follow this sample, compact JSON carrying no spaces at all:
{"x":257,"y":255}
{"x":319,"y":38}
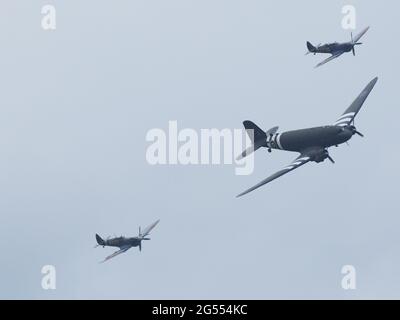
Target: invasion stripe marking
{"x":278,"y":141}
{"x":296,"y":163}
{"x":350,"y":114}
{"x":343,"y":120}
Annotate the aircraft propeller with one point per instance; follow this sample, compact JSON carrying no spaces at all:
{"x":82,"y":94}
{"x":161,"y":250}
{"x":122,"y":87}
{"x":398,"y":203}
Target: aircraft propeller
{"x":354,"y":130}
{"x":330,"y":159}
{"x":354,"y":44}
{"x":141,"y":237}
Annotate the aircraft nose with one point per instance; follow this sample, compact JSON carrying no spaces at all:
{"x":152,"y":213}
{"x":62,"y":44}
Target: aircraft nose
{"x":346,"y":133}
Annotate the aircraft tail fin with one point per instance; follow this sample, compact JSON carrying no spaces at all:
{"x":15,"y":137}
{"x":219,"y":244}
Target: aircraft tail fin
{"x":257,"y":136}
{"x":100,"y":241}
{"x":310,"y":47}
{"x":254,"y":132}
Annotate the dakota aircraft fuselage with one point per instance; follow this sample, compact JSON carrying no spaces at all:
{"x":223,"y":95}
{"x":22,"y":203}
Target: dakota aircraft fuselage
{"x":303,"y":139}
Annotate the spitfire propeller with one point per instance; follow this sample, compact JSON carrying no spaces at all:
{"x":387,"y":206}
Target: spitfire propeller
{"x":142,"y":236}
{"x":140,"y":239}
{"x":354,"y":44}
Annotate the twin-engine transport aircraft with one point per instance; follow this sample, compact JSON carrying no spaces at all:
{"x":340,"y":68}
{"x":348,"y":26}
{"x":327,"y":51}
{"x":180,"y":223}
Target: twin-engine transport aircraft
{"x":336,"y":49}
{"x":124,"y":244}
{"x":312,"y":143}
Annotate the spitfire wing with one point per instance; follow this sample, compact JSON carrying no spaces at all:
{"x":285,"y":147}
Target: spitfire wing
{"x":298,"y":162}
{"x":359,"y":36}
{"x":336,"y":55}
{"x":116,"y":253}
{"x":147,"y":230}
{"x":348,"y":116}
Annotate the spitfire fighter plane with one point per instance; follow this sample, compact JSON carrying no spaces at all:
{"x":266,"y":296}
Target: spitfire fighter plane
{"x":124,"y":244}
{"x":311,"y":143}
{"x":336,"y":49}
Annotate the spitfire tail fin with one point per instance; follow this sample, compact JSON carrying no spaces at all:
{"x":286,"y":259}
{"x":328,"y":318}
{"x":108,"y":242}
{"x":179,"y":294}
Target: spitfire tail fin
{"x":100,"y":241}
{"x":310,"y":47}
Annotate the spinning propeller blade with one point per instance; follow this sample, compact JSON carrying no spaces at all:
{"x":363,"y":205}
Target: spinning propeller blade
{"x":353,"y":44}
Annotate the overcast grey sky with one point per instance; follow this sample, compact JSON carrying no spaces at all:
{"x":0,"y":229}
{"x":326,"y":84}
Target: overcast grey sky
{"x":77,"y":102}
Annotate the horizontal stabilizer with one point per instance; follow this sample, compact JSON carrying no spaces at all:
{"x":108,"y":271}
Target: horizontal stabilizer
{"x":257,"y":136}
{"x":246,"y":152}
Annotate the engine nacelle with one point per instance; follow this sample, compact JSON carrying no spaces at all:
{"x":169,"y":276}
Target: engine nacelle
{"x":319,"y":155}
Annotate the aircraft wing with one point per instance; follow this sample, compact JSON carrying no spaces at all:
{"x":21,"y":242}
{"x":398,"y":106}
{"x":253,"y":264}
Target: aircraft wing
{"x":348,"y":116}
{"x":116,"y":253}
{"x":298,"y":162}
{"x":359,"y":36}
{"x":336,"y":55}
{"x":147,"y":230}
